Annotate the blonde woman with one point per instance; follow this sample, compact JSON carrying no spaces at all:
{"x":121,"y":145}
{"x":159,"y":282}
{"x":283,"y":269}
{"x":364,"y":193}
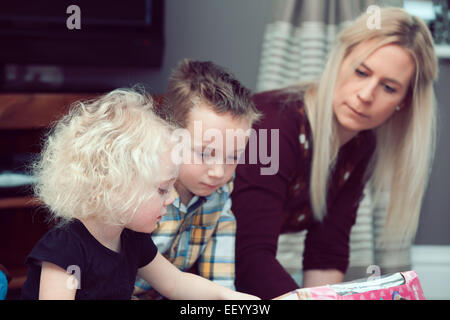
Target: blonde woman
{"x":370,"y":117}
{"x":106,"y":173}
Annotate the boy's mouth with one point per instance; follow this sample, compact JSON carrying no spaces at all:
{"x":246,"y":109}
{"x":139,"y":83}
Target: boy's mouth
{"x":208,"y":186}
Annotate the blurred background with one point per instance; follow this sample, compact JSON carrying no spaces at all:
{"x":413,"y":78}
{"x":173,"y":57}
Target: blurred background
{"x":52,"y":55}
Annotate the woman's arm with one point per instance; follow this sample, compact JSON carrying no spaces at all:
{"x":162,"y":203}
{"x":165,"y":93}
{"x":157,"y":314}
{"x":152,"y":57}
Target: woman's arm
{"x":56,"y":283}
{"x":327,"y":244}
{"x":257,"y":209}
{"x":258,"y":201}
{"x":177,"y":285}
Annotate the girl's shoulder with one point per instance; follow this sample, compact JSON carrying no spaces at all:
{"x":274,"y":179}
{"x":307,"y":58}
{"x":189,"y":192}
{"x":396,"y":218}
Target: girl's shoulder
{"x":61,"y":245}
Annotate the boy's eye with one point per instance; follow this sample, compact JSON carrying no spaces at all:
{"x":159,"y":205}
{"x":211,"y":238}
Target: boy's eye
{"x":204,"y":154}
{"x":233,"y":158}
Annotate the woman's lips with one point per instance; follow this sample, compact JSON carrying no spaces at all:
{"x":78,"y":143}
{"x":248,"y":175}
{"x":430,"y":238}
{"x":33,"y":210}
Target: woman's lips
{"x":356,"y":112}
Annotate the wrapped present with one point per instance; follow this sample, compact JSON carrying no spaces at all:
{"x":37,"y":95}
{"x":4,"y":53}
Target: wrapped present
{"x":397,"y":286}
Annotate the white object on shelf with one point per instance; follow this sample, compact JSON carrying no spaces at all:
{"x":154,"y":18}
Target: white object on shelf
{"x":443,"y":51}
{"x":421,"y":8}
{"x":11,"y":179}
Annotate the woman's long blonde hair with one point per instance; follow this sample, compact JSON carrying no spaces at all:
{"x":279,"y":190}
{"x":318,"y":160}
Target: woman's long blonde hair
{"x":405,"y":142}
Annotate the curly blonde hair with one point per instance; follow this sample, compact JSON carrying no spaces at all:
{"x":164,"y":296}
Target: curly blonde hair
{"x":103,"y":159}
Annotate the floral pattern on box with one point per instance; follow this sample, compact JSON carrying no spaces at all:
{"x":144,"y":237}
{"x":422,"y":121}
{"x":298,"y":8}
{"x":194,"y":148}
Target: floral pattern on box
{"x":397,"y":286}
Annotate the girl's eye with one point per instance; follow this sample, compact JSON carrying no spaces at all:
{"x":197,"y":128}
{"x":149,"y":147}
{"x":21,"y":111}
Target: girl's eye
{"x":360,"y":73}
{"x":162,"y":191}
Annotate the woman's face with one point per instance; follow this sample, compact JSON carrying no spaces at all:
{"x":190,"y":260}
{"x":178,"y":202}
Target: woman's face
{"x":367,"y":94}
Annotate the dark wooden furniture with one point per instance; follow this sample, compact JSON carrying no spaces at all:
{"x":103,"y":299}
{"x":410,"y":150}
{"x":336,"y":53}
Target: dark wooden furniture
{"x":24,"y":118}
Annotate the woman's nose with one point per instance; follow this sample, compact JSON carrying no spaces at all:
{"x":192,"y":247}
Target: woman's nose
{"x":367,"y":91}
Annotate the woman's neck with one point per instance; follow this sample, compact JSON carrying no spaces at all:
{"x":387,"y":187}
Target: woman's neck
{"x":345,"y":135}
{"x":107,"y":235}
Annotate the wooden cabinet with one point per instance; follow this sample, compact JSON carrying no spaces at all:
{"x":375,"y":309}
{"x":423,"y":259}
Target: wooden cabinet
{"x":24,"y":119}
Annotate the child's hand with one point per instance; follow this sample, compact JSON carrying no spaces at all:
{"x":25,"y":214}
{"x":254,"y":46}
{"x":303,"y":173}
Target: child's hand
{"x":173,"y":284}
{"x":245,"y":296}
{"x":236,"y":295}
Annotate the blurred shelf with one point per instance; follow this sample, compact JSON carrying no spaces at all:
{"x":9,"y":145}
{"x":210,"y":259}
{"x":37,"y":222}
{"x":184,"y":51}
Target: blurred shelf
{"x":19,"y":202}
{"x":24,"y":111}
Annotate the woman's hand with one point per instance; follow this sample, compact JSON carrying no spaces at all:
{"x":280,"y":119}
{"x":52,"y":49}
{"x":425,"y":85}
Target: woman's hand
{"x":316,"y":278}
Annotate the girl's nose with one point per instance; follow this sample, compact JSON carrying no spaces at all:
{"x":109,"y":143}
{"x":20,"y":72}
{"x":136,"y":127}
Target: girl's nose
{"x":170,"y":198}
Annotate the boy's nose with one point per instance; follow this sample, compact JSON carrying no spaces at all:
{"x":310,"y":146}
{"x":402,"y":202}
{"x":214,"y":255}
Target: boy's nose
{"x":216,"y":170}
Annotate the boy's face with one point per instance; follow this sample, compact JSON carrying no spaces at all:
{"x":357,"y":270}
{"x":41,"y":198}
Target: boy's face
{"x":213,"y":159}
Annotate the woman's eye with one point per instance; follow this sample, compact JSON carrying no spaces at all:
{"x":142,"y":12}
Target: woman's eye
{"x":360,"y":73}
{"x":389,"y":89}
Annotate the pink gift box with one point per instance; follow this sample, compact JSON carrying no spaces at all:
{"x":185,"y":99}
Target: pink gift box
{"x":397,"y":286}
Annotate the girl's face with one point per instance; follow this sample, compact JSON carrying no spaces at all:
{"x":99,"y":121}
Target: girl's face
{"x":151,"y":212}
{"x":366,"y":96}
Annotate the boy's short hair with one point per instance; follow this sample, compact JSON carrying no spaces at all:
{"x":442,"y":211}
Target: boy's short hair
{"x":204,"y":81}
{"x":103,"y":158}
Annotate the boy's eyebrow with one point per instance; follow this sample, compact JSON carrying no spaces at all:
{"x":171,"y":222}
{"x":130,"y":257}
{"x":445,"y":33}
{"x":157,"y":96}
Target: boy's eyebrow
{"x":235,"y":151}
{"x":239,"y":150}
{"x":388,"y":79}
{"x":207,"y":141}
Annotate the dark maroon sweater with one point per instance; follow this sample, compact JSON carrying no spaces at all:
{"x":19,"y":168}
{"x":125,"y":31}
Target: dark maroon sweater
{"x":267,"y":205}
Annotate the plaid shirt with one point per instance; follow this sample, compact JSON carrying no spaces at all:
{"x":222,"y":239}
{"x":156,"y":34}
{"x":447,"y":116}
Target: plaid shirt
{"x":203,"y":233}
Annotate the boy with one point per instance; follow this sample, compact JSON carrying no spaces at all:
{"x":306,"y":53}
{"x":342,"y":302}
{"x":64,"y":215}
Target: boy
{"x":198,"y":232}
